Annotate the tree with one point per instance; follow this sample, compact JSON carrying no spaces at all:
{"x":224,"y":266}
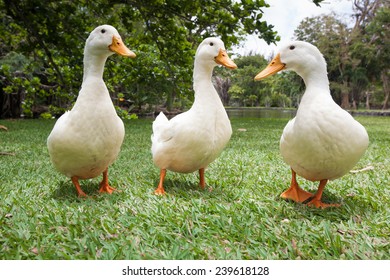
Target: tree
{"x":222,"y":86}
{"x":246,"y":91}
{"x":277,"y":91}
{"x":374,"y":50}
{"x":50,"y":35}
{"x":368,"y":40}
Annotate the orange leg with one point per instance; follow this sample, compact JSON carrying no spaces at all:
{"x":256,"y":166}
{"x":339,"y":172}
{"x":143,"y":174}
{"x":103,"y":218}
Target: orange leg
{"x":316,"y":200}
{"x":294,"y":192}
{"x":202,"y":181}
{"x":104,"y":186}
{"x":160,"y":187}
{"x":75,"y":181}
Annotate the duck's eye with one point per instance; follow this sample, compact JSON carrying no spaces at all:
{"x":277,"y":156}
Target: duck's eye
{"x":103,"y":31}
{"x":211,"y":44}
{"x":292,"y":47}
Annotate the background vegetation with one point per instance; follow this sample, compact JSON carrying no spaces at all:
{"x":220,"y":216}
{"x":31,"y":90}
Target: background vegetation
{"x":238,"y":216}
{"x":41,"y":45}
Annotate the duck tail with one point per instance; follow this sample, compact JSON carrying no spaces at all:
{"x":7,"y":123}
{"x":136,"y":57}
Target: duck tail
{"x":159,"y":124}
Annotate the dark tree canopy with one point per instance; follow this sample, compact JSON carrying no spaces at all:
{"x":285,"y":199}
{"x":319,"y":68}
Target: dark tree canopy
{"x":43,"y":42}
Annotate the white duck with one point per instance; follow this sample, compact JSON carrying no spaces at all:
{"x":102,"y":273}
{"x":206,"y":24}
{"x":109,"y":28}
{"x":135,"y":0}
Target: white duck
{"x":193,"y":139}
{"x":323,"y":142}
{"x":87,"y":139}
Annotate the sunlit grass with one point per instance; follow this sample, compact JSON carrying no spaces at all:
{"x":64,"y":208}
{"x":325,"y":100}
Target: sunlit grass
{"x":239,"y":215}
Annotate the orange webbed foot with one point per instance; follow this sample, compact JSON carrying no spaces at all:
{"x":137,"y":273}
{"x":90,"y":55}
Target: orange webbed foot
{"x":316,"y":200}
{"x":159,"y":191}
{"x":75,"y":181}
{"x":160,"y":188}
{"x":82,"y":194}
{"x":104,"y":186}
{"x":294,"y":192}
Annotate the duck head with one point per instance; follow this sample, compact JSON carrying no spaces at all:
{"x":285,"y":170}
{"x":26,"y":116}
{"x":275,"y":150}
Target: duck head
{"x":105,"y":39}
{"x":301,"y":57}
{"x":213,"y":50}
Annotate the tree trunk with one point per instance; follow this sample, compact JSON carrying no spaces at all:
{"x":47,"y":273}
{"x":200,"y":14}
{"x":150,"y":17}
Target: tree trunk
{"x":345,"y":100}
{"x":345,"y":96}
{"x":170,"y":98}
{"x":368,"y":95}
{"x":386,"y":88}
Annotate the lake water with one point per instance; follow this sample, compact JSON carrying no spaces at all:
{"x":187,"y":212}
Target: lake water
{"x":275,"y":113}
{"x":260,"y":113}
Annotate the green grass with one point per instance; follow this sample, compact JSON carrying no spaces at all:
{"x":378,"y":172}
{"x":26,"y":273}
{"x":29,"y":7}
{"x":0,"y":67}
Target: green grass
{"x":240,"y":215}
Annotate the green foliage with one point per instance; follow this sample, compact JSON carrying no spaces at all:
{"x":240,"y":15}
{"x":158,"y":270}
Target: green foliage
{"x":373,"y":52}
{"x":245,"y":91}
{"x":50,"y":35}
{"x":46,"y":116}
{"x":276,"y":91}
{"x":317,"y":2}
{"x":125,"y":115}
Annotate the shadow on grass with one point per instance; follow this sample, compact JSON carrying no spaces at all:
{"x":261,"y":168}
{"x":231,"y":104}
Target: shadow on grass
{"x":67,"y":191}
{"x":180,"y":187}
{"x":350,"y":207}
{"x":189,"y":188}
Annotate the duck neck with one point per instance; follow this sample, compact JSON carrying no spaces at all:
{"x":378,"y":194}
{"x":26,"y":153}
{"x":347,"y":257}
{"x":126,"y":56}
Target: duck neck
{"x":93,"y":66}
{"x":316,"y":78}
{"x":202,"y":81}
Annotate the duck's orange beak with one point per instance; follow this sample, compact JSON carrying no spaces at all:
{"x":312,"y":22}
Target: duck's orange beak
{"x":223,"y":59}
{"x":275,"y":66}
{"x":118,"y":47}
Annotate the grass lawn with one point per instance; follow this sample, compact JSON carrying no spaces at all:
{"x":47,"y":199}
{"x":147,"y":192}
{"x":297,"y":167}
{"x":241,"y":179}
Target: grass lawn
{"x":239,"y":216}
